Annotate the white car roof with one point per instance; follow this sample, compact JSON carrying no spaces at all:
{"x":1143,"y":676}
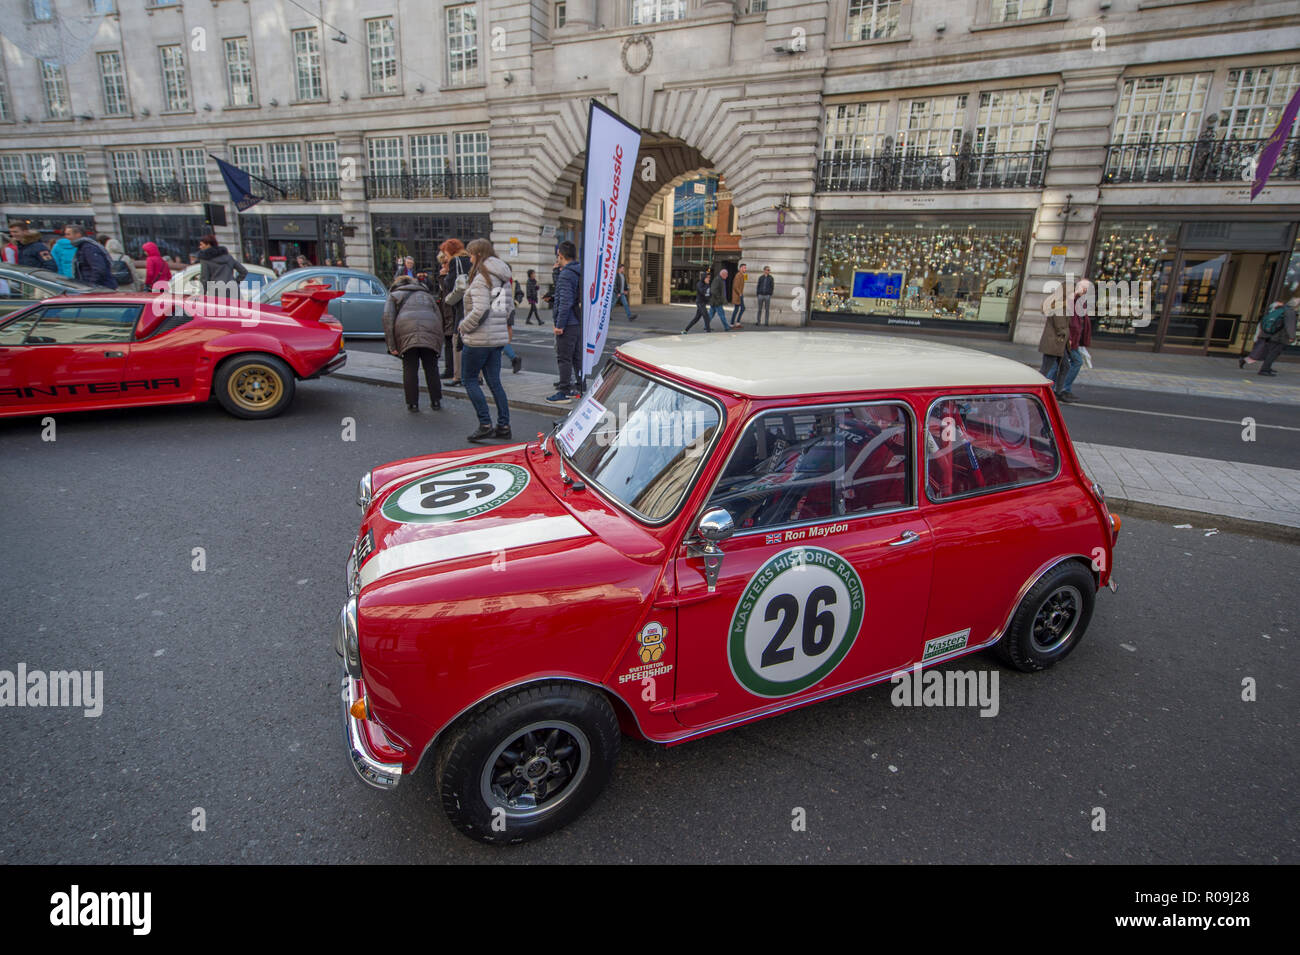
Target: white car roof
{"x":777,"y":364}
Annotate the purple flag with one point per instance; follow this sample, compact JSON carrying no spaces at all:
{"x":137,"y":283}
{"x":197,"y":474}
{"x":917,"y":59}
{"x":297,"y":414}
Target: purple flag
{"x":1273,"y":147}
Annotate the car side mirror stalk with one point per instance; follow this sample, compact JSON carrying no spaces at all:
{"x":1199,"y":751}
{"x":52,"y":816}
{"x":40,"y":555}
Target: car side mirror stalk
{"x":715,"y":526}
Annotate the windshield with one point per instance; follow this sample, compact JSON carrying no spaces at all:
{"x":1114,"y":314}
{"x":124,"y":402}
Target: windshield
{"x":640,"y":441}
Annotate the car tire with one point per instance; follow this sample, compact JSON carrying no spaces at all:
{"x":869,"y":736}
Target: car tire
{"x":494,"y":791}
{"x":1051,"y":619}
{"x":254,"y":386}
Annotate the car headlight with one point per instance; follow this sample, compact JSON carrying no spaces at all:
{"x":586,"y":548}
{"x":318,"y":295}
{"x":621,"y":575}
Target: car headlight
{"x":364,"y":491}
{"x":347,"y":643}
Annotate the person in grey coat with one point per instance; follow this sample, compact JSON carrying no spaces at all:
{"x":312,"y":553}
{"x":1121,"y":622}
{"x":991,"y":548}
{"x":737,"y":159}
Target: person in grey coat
{"x":413,"y":331}
{"x":216,"y":265}
{"x":1269,"y":344}
{"x":489,"y":310}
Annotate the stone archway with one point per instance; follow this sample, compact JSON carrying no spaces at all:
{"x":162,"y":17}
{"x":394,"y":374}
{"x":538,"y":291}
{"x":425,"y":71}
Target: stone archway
{"x":537,"y":159}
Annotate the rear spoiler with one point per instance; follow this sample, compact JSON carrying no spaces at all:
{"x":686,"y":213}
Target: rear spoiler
{"x":308,"y":303}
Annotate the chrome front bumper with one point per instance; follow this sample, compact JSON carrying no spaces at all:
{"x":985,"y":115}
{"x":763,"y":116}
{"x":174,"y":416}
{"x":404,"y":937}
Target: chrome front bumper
{"x":372,"y":770}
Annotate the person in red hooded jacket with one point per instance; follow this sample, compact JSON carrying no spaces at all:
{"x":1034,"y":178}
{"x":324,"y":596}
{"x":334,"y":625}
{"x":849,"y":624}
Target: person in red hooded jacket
{"x":155,"y":268}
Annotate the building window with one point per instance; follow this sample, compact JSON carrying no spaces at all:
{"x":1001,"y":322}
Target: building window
{"x":248,"y":158}
{"x":126,"y":168}
{"x":560,"y":15}
{"x":12,"y":171}
{"x":385,"y":156}
{"x":1014,"y":121}
{"x":657,"y":11}
{"x":159,"y":167}
{"x":112,"y":80}
{"x":286,"y":162}
{"x":1161,"y":109}
{"x":429,"y":156}
{"x":758,"y":6}
{"x":102,"y":6}
{"x":194,"y":167}
{"x":1254,"y":100}
{"x":1009,"y":11}
{"x":74,"y":170}
{"x":239,"y":71}
{"x":932,"y":127}
{"x":176,"y":88}
{"x":381,"y":47}
{"x":873,"y":19}
{"x":55,"y":84}
{"x":854,"y":130}
{"x":306,"y":54}
{"x":472,"y":156}
{"x":5,"y":113}
{"x":462,"y":45}
{"x":323,"y":160}
{"x":42,"y":9}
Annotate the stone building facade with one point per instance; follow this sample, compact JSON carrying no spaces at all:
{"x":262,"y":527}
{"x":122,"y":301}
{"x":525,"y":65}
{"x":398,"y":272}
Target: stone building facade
{"x":854,"y":137}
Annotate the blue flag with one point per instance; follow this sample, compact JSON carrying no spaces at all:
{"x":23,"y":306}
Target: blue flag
{"x":237,"y":181}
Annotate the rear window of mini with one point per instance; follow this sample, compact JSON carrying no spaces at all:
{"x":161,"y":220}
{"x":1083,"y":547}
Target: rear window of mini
{"x":978,"y":444}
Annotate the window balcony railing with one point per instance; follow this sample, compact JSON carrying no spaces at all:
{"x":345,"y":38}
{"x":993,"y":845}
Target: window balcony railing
{"x":439,"y":186}
{"x":176,"y":191}
{"x":1201,"y":160}
{"x":44,"y":193}
{"x":301,"y":189}
{"x":913,"y":172}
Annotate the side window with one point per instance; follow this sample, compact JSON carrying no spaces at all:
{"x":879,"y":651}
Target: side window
{"x":22,"y":291}
{"x":986,"y":443}
{"x":16,"y":331}
{"x":355,"y":285}
{"x":85,"y":324}
{"x":799,"y":465}
{"x":326,"y":280}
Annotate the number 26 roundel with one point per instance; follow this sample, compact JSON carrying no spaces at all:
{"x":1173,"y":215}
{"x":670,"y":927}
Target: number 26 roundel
{"x":796,"y":621}
{"x":455,"y":494}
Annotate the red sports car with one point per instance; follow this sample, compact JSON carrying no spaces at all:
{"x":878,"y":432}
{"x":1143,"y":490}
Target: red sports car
{"x":92,"y":351}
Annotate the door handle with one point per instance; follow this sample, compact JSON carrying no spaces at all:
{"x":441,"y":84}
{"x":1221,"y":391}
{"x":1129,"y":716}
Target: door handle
{"x":907,"y":537}
{"x":114,"y":354}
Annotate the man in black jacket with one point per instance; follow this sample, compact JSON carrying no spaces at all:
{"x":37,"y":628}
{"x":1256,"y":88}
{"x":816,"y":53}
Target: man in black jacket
{"x":91,"y":263}
{"x":530,"y":293}
{"x":764,"y":293}
{"x":31,"y":250}
{"x":701,"y":303}
{"x":568,"y":323}
{"x":620,"y":293}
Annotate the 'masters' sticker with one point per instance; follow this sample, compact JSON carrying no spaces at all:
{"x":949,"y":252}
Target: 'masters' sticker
{"x":456,"y":494}
{"x":797,"y":619}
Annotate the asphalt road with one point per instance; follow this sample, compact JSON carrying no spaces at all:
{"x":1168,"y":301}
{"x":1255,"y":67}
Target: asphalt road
{"x":221,"y":686}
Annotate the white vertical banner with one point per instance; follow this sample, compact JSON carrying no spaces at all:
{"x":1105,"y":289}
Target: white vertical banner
{"x":612,"y":147}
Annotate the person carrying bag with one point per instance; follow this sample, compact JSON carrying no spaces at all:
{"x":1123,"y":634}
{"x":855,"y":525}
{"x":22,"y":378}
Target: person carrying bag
{"x":413,"y":331}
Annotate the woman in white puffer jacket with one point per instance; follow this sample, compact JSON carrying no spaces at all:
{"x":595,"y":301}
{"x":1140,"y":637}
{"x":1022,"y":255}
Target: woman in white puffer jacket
{"x":489,"y":303}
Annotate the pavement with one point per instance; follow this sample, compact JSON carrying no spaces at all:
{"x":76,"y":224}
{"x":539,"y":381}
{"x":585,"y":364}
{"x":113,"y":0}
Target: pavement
{"x":1245,"y":497}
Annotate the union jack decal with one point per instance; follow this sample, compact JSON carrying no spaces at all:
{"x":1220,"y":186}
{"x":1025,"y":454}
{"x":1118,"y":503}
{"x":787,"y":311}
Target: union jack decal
{"x":772,"y":539}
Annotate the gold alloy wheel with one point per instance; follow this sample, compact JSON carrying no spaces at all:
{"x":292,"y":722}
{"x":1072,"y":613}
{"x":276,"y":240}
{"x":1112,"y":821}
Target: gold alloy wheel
{"x":255,"y":387}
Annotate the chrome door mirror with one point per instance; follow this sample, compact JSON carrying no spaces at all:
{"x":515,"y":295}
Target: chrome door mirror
{"x":715,"y":526}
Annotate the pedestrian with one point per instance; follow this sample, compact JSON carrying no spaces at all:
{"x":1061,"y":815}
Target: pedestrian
{"x":216,"y":265}
{"x":406,"y":266}
{"x":303,"y":262}
{"x":454,"y":280}
{"x":90,"y":263}
{"x":766,"y":285}
{"x":530,"y":293}
{"x":718,"y":298}
{"x":1080,"y":339}
{"x":157,"y":274}
{"x":1056,"y":332}
{"x":124,"y":270}
{"x":567,"y":318}
{"x":701,"y":303}
{"x":484,"y":332}
{"x":620,"y":293}
{"x":413,"y":331}
{"x":448,"y":319}
{"x":9,"y":252}
{"x":516,"y":363}
{"x":32,"y":251}
{"x":65,"y":254}
{"x":1277,"y":329}
{"x":738,"y":295}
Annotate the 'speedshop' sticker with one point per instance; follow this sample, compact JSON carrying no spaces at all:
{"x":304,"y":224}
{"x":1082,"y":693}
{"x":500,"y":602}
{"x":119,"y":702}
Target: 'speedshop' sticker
{"x":455,"y":495}
{"x":796,"y":621}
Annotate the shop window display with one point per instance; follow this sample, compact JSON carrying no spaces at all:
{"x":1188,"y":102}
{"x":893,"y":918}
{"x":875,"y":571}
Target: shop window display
{"x":909,"y":273}
{"x":1126,"y":256}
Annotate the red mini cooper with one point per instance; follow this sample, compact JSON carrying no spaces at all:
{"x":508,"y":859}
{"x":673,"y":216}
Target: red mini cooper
{"x":722,"y":530}
{"x":120,"y":350}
